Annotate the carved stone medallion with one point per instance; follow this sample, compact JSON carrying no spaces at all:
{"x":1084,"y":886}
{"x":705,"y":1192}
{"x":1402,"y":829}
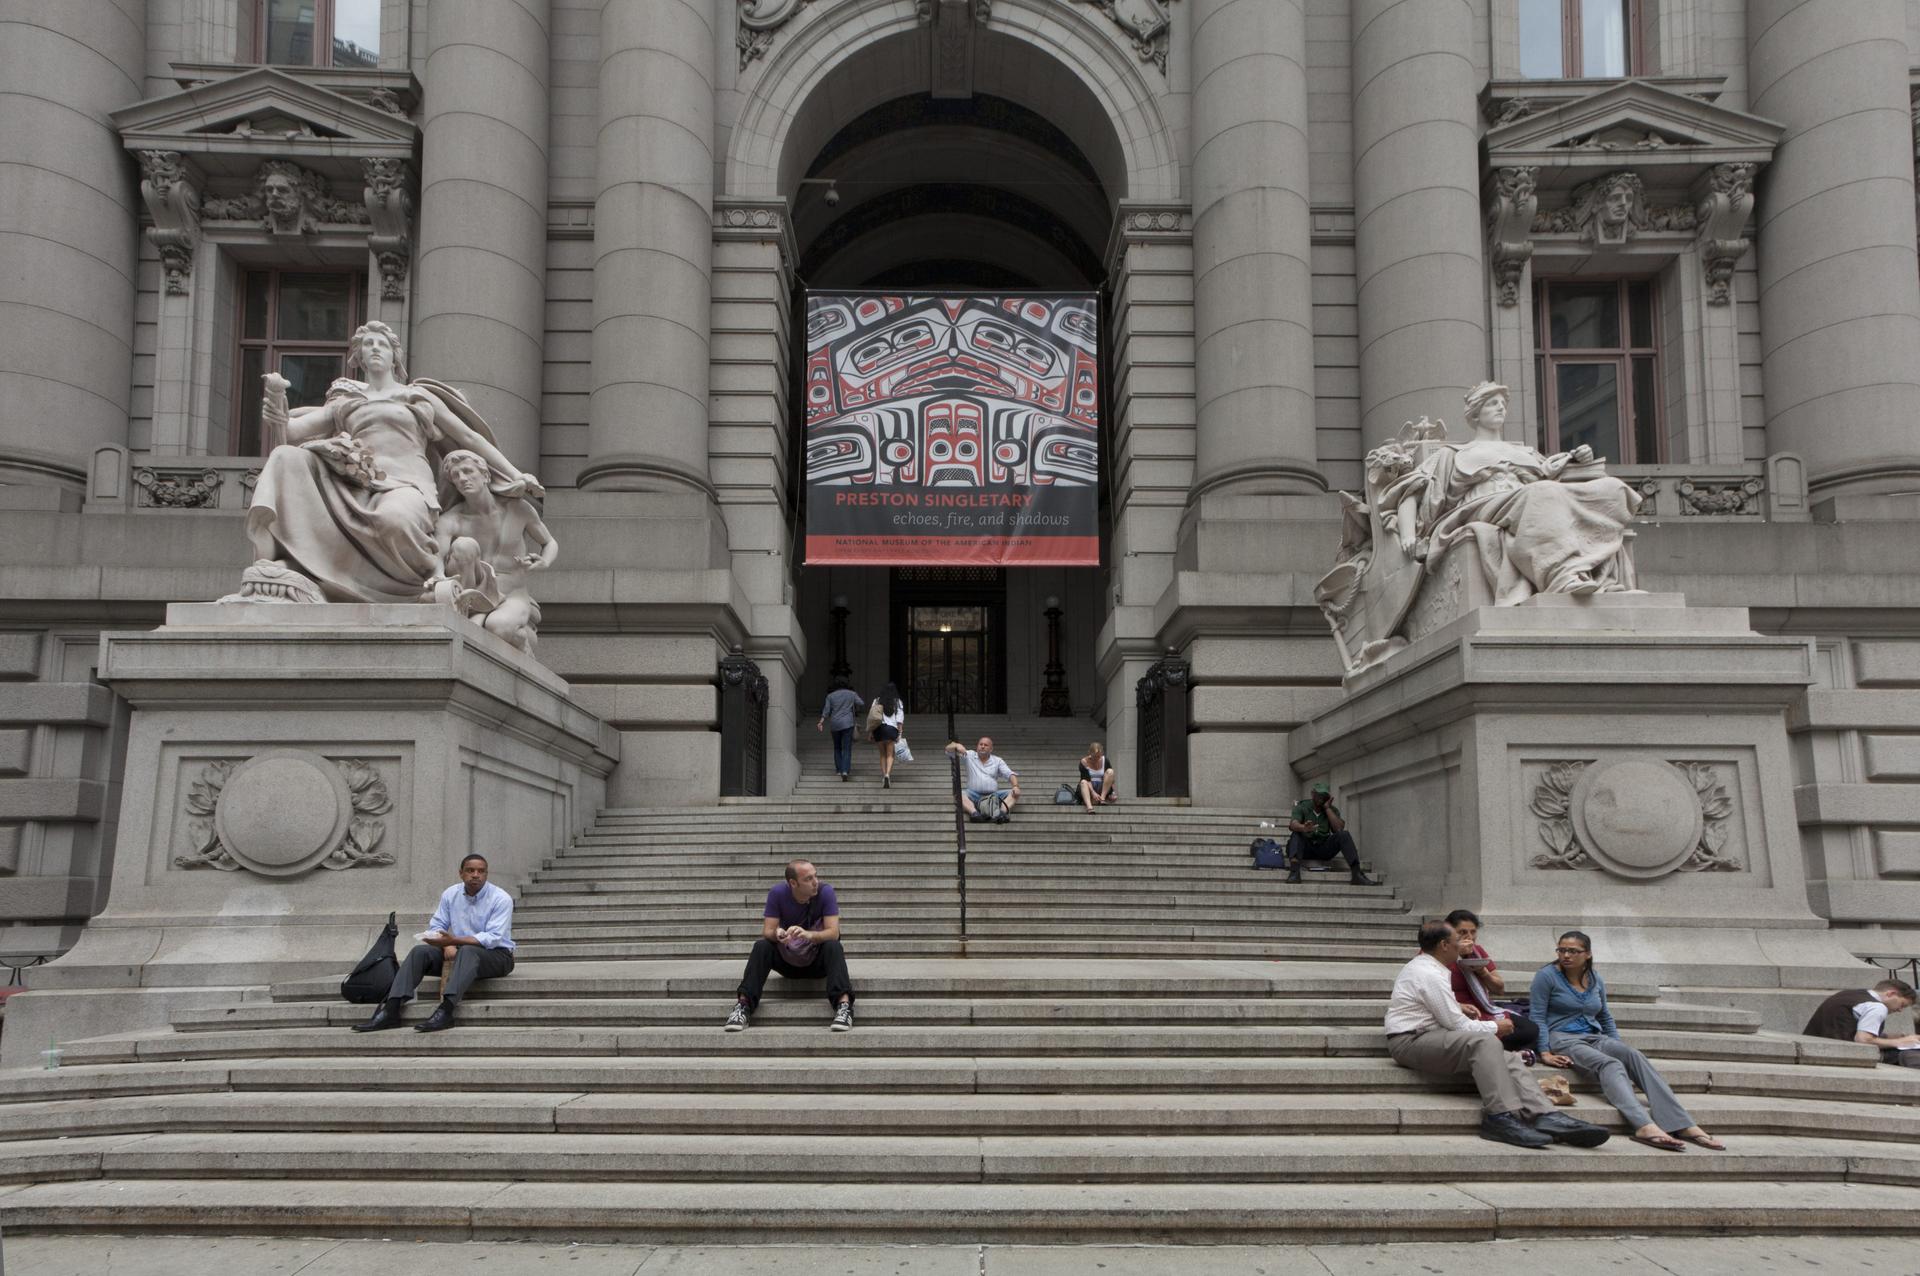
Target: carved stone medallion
{"x":1639,"y":817}
{"x":285,"y":811}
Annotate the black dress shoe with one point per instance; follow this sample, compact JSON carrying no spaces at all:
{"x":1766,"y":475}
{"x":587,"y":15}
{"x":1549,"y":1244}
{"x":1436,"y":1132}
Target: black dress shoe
{"x":1293,"y":871}
{"x":1360,"y":879}
{"x":388,"y":1016}
{"x":1565,"y":1129}
{"x":1509,"y":1127}
{"x":439,"y":1021}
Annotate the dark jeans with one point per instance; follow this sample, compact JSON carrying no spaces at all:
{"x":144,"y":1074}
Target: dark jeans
{"x":843,"y":750}
{"x":1301,"y":847}
{"x":470,"y":962}
{"x":830,"y":963}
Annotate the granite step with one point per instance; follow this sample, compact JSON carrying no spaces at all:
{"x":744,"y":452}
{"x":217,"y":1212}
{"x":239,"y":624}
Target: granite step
{"x":1029,"y":945}
{"x":578,"y":1157}
{"x":1362,"y":1113}
{"x":853,"y":1213}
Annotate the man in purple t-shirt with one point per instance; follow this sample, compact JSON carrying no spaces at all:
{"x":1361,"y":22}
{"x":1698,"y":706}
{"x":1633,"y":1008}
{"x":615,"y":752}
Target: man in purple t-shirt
{"x":800,"y":938}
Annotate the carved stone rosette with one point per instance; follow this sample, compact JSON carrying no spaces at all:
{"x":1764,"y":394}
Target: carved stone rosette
{"x":171,"y":187}
{"x":1638,"y":817}
{"x":284,"y":812}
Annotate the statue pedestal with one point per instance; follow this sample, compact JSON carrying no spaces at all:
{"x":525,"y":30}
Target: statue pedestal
{"x":294,"y":772}
{"x":1616,"y":764}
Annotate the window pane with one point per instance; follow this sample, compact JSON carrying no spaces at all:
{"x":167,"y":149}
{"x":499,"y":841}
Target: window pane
{"x":1545,"y":444}
{"x":1640,"y":314}
{"x":356,"y":32}
{"x":1540,"y":40}
{"x":315,"y":308}
{"x":246,"y":434}
{"x":1584,"y":317}
{"x":1603,"y":37}
{"x":1589,"y":407}
{"x":309,"y":375}
{"x":253,"y":310}
{"x":290,"y":32}
{"x":1646,"y":415}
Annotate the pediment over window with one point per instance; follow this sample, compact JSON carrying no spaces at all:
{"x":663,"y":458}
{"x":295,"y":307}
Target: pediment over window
{"x":227,"y":126}
{"x":1671,"y":138}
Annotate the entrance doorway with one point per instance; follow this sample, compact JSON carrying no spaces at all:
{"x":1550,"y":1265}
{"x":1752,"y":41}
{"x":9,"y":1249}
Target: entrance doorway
{"x":949,"y":627}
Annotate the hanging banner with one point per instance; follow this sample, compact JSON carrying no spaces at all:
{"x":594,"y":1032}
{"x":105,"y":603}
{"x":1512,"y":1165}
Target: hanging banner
{"x":957,"y":430}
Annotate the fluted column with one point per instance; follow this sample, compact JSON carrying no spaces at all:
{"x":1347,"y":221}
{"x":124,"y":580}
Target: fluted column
{"x":1839,"y":292}
{"x":652,"y":247}
{"x":1422,"y":295}
{"x":481,"y":288}
{"x":1252,"y":290}
{"x":69,"y":233}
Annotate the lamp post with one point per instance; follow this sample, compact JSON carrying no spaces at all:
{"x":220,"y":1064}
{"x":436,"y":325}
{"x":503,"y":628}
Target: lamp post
{"x":1053,"y":697}
{"x":839,"y":612}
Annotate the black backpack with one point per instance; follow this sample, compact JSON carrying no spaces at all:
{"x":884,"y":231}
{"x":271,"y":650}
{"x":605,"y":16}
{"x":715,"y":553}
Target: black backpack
{"x":373,"y":977}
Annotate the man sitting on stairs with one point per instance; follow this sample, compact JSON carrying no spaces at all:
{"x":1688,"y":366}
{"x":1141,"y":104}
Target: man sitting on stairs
{"x":470,"y":937}
{"x":1427,"y":1032}
{"x":1316,"y":831}
{"x":985,"y":776}
{"x":800,"y":938}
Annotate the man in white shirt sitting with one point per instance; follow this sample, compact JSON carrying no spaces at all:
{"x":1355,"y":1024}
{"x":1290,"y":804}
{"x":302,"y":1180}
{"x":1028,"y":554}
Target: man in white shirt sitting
{"x":1860,"y":1014}
{"x":984,"y":775}
{"x":1427,"y":1032}
{"x":470,"y":936}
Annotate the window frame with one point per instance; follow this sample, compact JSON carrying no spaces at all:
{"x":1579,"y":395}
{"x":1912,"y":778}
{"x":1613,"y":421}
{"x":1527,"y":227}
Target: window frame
{"x":239,"y":423}
{"x":1572,"y":50}
{"x":323,"y":28}
{"x":1547,"y":359}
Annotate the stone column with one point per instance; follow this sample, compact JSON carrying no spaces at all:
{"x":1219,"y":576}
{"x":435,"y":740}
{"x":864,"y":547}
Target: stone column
{"x":1252,"y":292}
{"x":1422,"y":302}
{"x":480,"y":271}
{"x":1839,"y":293}
{"x":69,"y":233}
{"x":652,"y":248}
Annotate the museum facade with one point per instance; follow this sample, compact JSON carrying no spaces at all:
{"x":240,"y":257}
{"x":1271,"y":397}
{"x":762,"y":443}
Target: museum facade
{"x":1683,"y":232}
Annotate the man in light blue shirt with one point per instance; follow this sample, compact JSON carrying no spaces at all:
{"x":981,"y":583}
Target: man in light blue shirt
{"x":472,"y":928}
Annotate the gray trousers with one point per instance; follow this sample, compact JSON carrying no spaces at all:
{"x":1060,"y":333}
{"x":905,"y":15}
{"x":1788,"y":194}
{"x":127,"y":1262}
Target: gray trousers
{"x":1618,"y":1067}
{"x":471,"y":962}
{"x":1503,"y":1081}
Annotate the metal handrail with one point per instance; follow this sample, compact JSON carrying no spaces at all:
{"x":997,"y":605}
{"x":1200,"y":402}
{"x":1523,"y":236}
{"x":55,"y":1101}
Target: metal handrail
{"x":959,"y":839}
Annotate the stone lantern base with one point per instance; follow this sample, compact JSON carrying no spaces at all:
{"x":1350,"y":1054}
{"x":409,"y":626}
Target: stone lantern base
{"x":294,"y":772}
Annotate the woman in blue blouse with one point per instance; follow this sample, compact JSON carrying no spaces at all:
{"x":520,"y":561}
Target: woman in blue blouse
{"x":1569,"y":1002}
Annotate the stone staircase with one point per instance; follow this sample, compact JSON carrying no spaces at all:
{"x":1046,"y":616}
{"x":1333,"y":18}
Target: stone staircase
{"x":1138,"y":1039}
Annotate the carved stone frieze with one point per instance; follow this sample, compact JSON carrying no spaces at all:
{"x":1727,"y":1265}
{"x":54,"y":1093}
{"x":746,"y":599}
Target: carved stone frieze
{"x":389,"y":201}
{"x":1638,"y":817}
{"x":1704,"y":496}
{"x":171,"y":187}
{"x":1611,"y":209}
{"x":288,"y":200}
{"x":1510,"y":216}
{"x":1726,"y":202}
{"x":284,"y":812}
{"x":177,"y":489}
{"x":758,"y":21}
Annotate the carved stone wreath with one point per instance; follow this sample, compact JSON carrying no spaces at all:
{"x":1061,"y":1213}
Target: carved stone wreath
{"x":178,"y":489}
{"x":1674,"y":821}
{"x":284,"y":812}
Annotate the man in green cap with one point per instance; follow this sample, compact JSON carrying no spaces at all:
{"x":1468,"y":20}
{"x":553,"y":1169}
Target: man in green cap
{"x":1317,"y":832}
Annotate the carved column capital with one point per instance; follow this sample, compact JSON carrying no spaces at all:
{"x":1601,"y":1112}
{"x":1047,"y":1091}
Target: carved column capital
{"x":1512,"y":203}
{"x":171,"y":187}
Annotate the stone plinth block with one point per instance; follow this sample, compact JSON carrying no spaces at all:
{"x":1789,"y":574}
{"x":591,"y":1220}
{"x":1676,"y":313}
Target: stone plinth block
{"x":293,"y":773}
{"x":1616,"y":764}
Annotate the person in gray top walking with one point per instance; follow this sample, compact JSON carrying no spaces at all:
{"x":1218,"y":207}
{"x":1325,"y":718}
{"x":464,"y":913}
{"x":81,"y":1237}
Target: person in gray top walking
{"x":837,"y":716}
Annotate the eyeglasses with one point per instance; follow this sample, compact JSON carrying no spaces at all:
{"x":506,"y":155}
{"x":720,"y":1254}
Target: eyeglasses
{"x":1576,"y":952}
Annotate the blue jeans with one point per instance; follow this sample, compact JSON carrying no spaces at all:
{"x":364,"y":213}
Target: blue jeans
{"x":843,"y":750}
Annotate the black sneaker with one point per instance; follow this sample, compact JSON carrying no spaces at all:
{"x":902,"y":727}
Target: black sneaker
{"x":737,"y":1021}
{"x":1508,"y":1127}
{"x":843,"y":1018}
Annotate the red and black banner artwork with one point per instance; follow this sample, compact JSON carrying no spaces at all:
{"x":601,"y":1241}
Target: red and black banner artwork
{"x":957,"y":430}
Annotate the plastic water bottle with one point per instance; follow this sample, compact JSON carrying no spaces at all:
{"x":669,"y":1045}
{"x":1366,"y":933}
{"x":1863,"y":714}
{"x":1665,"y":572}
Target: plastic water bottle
{"x":1267,"y":824}
{"x":51,"y":1055}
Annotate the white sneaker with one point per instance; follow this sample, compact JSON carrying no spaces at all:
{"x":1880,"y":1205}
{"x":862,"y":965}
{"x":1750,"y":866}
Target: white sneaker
{"x":737,"y":1021}
{"x":842,"y":1018}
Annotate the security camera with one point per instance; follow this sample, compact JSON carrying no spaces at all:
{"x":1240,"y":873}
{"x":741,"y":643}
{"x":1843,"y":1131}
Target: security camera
{"x":833,"y":197}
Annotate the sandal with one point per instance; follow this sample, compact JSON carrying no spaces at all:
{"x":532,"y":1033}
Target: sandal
{"x":1665,"y":1142}
{"x":1706,"y":1141}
